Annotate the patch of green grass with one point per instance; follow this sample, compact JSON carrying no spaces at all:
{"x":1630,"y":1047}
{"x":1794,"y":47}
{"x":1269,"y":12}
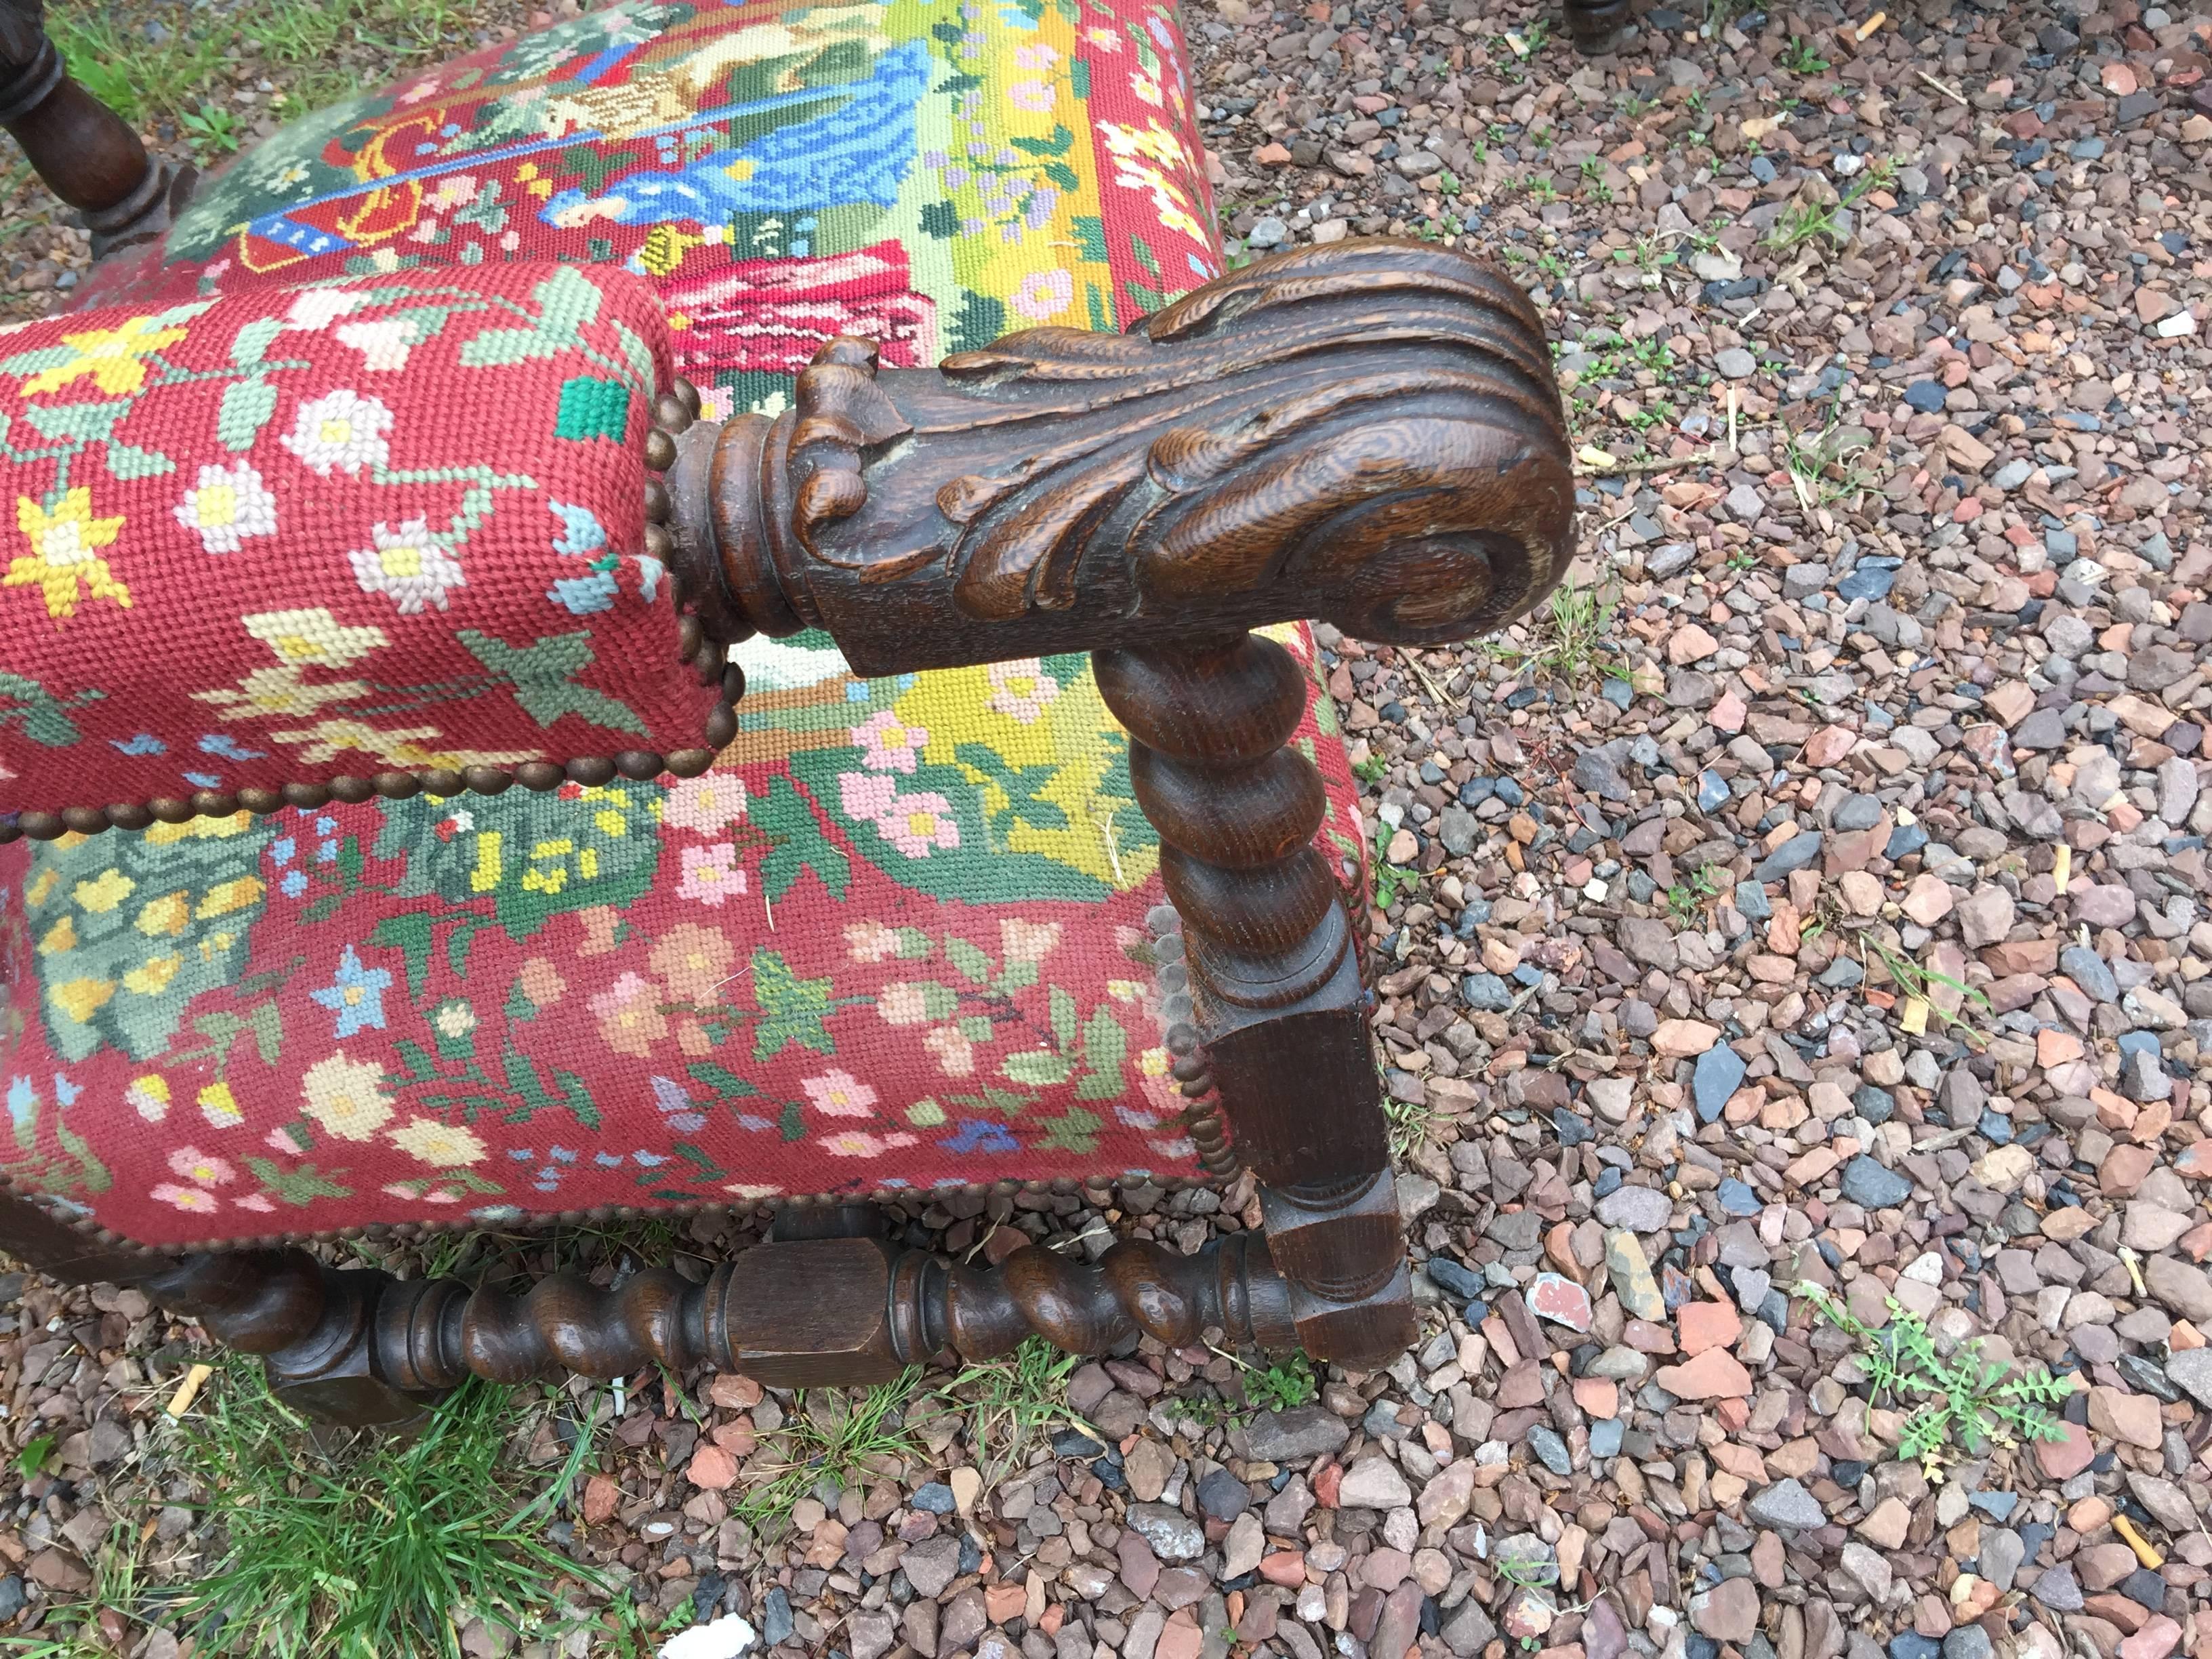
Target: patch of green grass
{"x":1917,"y":981}
{"x":1959,"y":1406}
{"x":1283,"y":1386}
{"x":1370,"y":767}
{"x":383,"y":1547}
{"x":1806,"y":219}
{"x":1570,"y":635}
{"x":1811,"y":462}
{"x":316,"y":51}
{"x":1408,"y":1125}
{"x":839,"y":1435}
{"x":1010,"y":1402}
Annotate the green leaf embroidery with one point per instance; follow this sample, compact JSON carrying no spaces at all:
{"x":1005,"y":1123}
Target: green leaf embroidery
{"x":299,"y":1188}
{"x":579,"y":1099}
{"x":1075,"y":1131}
{"x":1063,"y":1017}
{"x":253,"y":341}
{"x":127,"y":461}
{"x":408,"y":932}
{"x":522,"y":1077}
{"x":543,"y":676}
{"x":640,"y":356}
{"x":1105,"y":1045}
{"x":791,"y":1008}
{"x":80,"y":421}
{"x":1055,"y":145}
{"x":970,"y":961}
{"x":1091,"y":237}
{"x":246,"y":408}
{"x":593,"y":408}
{"x":567,"y":301}
{"x":1037,"y":1066}
{"x":788,"y":818}
{"x":41,"y":714}
{"x":726,"y":1084}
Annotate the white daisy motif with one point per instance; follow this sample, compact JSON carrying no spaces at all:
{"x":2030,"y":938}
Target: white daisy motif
{"x":341,"y":431}
{"x":384,"y":344}
{"x":228,"y":504}
{"x":407,"y":565}
{"x":317,"y":308}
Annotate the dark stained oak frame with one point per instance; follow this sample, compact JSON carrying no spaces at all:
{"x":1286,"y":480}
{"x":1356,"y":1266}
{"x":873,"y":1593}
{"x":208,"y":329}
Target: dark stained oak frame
{"x":1368,"y":433}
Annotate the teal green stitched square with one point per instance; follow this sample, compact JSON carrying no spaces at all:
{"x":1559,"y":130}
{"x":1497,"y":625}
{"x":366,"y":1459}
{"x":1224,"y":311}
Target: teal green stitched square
{"x":593,"y":408}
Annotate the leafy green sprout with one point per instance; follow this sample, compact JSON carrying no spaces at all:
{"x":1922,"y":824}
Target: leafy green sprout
{"x":1958,"y":1406}
{"x":1569,"y":634}
{"x":1802,"y":58}
{"x":1683,"y":898}
{"x":1919,"y":982}
{"x":1371,"y":767}
{"x":212,"y":129}
{"x":1392,"y":881}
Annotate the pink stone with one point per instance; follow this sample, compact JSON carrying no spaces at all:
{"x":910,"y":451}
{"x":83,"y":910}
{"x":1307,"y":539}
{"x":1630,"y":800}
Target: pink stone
{"x":1727,"y":714}
{"x":1715,"y":1374}
{"x":1689,"y":644}
{"x":1706,"y":1325}
{"x":2063,"y":1459}
{"x":1181,"y":1638}
{"x":1285,"y":1567}
{"x":712,"y":1468}
{"x":2159,"y":1637}
{"x":1560,"y":1299}
{"x":1829,"y":745}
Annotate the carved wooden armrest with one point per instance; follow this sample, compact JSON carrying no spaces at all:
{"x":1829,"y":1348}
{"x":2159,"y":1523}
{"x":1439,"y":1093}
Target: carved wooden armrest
{"x":1367,"y":434}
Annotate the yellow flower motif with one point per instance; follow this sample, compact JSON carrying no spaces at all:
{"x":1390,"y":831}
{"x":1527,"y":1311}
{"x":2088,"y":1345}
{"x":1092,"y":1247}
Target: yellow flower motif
{"x":165,"y":917}
{"x":61,"y":561}
{"x":312,"y":636}
{"x":105,"y":892}
{"x":42,"y":886}
{"x":61,"y":937}
{"x":153,"y":978}
{"x":346,"y":1097}
{"x":149,"y":1097}
{"x":279,"y":692}
{"x":167,"y":834}
{"x":327,"y":739}
{"x":447,"y":1146}
{"x":225,"y":896}
{"x":114,"y":358}
{"x":219,"y":1107}
{"x":80,"y":999}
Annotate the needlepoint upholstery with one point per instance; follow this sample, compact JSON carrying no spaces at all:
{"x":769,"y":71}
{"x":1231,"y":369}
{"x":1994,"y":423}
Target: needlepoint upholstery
{"x":897,"y":938}
{"x":930,"y":175}
{"x":380,"y":523}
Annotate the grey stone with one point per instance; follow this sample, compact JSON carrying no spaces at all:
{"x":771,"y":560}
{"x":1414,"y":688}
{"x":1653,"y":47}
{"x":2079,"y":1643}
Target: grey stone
{"x":2059,"y":1590}
{"x":932,"y":1564}
{"x":1735,"y":363}
{"x":2003,"y":1550}
{"x":1457,"y":828}
{"x":1173,"y":1535}
{"x":1867,"y":1184}
{"x":1293,"y":1436}
{"x":1639,"y":1209}
{"x":2190,"y":1370}
{"x":1800,"y":850}
{"x":1786,"y":1504}
{"x":1467,"y":1633}
{"x":2183,"y":1289}
{"x":2089,"y":971}
{"x":1551,"y":1450}
{"x":1374,"y":1483}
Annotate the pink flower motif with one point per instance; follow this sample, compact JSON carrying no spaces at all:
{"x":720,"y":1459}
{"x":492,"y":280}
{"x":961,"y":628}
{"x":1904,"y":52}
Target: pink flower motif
{"x":853,"y":1144}
{"x":864,"y":794}
{"x":193,"y":1201}
{"x":1035,"y":96}
{"x":706,"y":803}
{"x":890,"y":744}
{"x":286,"y":1141}
{"x":839,"y":1094}
{"x":630,"y":1020}
{"x":902,"y":1004}
{"x":1039,"y":58}
{"x":1105,"y":40}
{"x":259,"y":1203}
{"x":919,"y":825}
{"x":955,"y":1054}
{"x":1021,"y":690}
{"x":870,"y":941}
{"x":456,"y":189}
{"x":191,"y":1163}
{"x":1044,"y":293}
{"x":711,"y":874}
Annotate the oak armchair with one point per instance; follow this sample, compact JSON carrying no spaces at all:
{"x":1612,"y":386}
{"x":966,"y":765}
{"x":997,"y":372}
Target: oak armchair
{"x":551,"y":666}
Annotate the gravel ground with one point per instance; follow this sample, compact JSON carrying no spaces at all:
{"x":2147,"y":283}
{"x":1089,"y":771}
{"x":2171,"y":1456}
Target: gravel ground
{"x":1817,"y":901}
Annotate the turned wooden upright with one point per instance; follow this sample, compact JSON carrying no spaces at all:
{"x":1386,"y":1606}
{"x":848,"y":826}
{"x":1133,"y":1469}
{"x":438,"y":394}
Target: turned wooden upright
{"x":1368,"y":433}
{"x":87,"y":153}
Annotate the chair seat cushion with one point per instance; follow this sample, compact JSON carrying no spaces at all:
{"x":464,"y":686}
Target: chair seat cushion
{"x":930,"y":175}
{"x":897,"y":938}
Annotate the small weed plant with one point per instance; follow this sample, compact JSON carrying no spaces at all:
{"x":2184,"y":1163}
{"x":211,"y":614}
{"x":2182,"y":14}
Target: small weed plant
{"x":1958,"y":1406}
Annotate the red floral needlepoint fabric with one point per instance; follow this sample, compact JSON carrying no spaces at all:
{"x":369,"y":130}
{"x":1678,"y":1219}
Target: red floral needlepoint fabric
{"x":375,"y":523}
{"x":897,"y":937}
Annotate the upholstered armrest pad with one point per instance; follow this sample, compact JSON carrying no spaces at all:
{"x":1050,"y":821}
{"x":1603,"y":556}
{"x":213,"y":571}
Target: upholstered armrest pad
{"x":378,"y":532}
